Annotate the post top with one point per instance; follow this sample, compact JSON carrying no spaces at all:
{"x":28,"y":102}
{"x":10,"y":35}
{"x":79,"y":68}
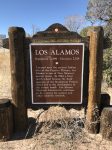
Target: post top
{"x":55,"y":32}
{"x":94,"y":29}
{"x":15,"y":29}
{"x":57,"y":27}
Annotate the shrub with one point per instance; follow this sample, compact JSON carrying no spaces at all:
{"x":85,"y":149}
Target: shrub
{"x":107,"y":66}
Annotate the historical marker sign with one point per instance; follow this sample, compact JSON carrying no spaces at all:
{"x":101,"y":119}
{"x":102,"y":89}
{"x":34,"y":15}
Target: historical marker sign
{"x":57,"y":73}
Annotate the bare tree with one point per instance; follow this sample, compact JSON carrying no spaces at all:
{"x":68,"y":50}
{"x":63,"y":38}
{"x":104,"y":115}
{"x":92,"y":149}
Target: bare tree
{"x":28,"y":34}
{"x":35,"y":29}
{"x":74,"y":23}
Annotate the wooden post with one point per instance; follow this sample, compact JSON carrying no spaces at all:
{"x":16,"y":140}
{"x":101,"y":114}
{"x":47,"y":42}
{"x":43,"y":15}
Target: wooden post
{"x":105,"y":101}
{"x":16,"y":45}
{"x":95,"y":77}
{"x":6,"y":119}
{"x":106,"y":123}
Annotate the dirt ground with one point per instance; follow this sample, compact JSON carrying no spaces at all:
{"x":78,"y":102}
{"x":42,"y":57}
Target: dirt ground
{"x":52,"y":129}
{"x":56,"y":135}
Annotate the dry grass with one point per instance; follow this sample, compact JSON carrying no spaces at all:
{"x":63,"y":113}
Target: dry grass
{"x":5,"y":76}
{"x":61,"y":129}
{"x":60,"y":133}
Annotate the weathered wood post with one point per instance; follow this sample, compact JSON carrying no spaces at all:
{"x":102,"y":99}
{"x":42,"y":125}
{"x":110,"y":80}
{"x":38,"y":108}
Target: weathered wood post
{"x":6,"y":119}
{"x":106,"y":123}
{"x":16,"y":45}
{"x":95,"y":77}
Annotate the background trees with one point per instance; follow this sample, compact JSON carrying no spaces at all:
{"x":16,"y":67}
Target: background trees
{"x":84,"y":31}
{"x":74,"y":23}
{"x":107,"y":66}
{"x":35,"y":29}
{"x":100,"y":11}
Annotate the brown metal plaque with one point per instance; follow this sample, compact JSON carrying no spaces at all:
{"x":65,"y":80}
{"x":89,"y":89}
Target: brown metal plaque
{"x":57,"y":73}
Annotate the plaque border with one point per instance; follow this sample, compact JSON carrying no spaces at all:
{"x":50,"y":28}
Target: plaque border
{"x":32,"y":76}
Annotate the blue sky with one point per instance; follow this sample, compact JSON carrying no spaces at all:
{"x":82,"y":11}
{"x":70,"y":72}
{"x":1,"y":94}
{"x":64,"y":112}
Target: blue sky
{"x":41,"y":13}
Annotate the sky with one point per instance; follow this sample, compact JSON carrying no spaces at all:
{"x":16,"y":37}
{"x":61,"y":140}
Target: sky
{"x":41,"y":13}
